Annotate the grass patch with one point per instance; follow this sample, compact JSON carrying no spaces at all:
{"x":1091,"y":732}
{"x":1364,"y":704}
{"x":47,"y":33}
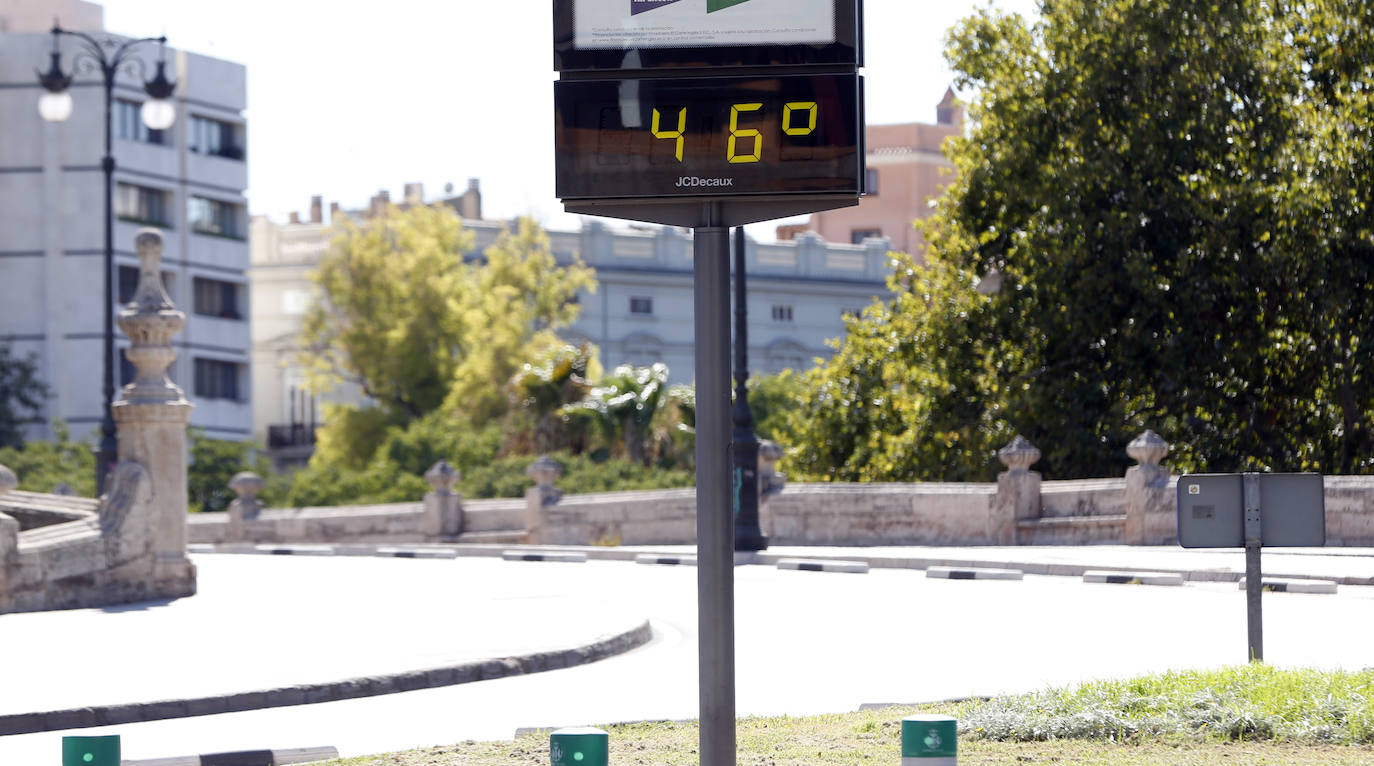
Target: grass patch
{"x":1243,"y":715}
{"x":1247,"y":703}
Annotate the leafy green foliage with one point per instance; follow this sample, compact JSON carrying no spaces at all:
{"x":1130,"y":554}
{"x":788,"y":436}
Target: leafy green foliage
{"x":419,"y":330}
{"x":638,"y":415}
{"x":1175,"y":197}
{"x":214,"y":462}
{"x":1242,"y":703}
{"x":21,"y":395}
{"x":582,"y":473}
{"x":44,"y":465}
{"x":436,"y":343}
{"x":540,"y":391}
{"x":770,"y":396}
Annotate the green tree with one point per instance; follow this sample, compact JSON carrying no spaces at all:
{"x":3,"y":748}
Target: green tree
{"x":419,"y":329}
{"x":633,"y":410}
{"x":42,"y":466}
{"x":1175,"y":198}
{"x":21,"y":395}
{"x":540,"y":391}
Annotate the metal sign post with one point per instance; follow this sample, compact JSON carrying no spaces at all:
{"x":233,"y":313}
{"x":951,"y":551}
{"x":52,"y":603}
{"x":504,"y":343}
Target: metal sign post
{"x":1254,"y":584}
{"x":715,"y":525}
{"x":1252,"y":510}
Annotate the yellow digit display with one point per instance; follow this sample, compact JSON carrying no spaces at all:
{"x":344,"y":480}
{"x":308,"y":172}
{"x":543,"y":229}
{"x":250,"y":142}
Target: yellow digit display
{"x":810,"y":107}
{"x":678,"y":134}
{"x":736,"y":133}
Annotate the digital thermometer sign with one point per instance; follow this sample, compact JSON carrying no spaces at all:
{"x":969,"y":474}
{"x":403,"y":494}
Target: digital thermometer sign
{"x":708,"y":136}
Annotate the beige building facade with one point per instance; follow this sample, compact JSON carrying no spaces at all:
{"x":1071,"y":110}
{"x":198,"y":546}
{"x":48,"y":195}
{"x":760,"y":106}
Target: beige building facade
{"x":906,"y":169}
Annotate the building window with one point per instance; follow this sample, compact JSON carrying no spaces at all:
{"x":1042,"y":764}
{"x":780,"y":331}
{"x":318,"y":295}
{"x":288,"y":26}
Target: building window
{"x":295,"y":302}
{"x":216,"y":379}
{"x":857,"y":236}
{"x":128,"y":283}
{"x":209,"y":216}
{"x":215,"y":138}
{"x":871,"y":182}
{"x":139,"y":204}
{"x":782,"y":312}
{"x":641,"y":305}
{"x":214,"y":298}
{"x":128,"y":124}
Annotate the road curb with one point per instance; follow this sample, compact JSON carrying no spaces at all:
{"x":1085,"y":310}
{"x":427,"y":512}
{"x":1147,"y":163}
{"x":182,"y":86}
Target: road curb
{"x":330,"y":691}
{"x":1294,"y":586}
{"x":1133,"y":578}
{"x":653,"y":558}
{"x":953,"y":573}
{"x":823,"y":565}
{"x":280,"y":757}
{"x":1055,"y":569}
{"x":566,"y":556}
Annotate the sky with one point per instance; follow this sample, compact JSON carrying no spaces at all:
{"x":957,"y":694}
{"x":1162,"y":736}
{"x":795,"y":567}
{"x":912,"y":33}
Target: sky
{"x":347,"y":98}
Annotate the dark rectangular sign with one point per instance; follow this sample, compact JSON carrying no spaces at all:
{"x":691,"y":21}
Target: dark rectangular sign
{"x":673,"y":34}
{"x":708,"y":136}
{"x":1211,"y":510}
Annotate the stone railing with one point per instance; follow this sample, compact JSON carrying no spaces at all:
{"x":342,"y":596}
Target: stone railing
{"x":1021,"y":508}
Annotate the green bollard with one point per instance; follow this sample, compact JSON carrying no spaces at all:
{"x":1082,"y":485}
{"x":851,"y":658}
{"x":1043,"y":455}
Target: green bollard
{"x":90,"y":751}
{"x":583,"y":746}
{"x":930,"y":740}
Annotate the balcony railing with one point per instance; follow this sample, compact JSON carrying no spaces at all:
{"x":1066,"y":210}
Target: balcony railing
{"x":293,"y":435}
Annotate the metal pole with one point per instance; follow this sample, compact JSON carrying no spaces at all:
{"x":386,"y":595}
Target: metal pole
{"x":748,"y":534}
{"x":1254,"y":617}
{"x":109,"y":445}
{"x":715,"y":530}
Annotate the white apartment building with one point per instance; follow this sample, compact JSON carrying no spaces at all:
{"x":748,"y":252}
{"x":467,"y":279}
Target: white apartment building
{"x":641,"y":312}
{"x":188,"y":181}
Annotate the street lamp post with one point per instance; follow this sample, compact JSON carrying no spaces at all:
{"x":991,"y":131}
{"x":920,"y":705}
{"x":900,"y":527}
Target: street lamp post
{"x":748,"y":534}
{"x":108,"y":56}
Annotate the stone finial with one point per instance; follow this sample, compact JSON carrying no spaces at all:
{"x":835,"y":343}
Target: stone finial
{"x":771,"y":481}
{"x":150,"y":320}
{"x":1019,"y":455}
{"x":1148,"y":448}
{"x":246,"y":485}
{"x":8,"y":481}
{"x":545,"y":471}
{"x":442,"y":476}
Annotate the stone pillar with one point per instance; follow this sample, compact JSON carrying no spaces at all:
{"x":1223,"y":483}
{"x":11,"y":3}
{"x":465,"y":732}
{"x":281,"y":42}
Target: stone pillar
{"x":9,"y":528}
{"x":538,"y":498}
{"x":246,"y":507}
{"x":443,"y":506}
{"x":1151,"y":515}
{"x":151,"y":415}
{"x":1018,"y":491}
{"x":771,"y":481}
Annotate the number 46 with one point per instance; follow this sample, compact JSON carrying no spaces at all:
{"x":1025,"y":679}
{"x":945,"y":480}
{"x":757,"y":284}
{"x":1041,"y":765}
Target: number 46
{"x":732,"y":152}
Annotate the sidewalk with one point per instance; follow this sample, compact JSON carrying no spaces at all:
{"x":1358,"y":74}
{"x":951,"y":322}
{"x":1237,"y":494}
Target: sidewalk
{"x":261,"y":632}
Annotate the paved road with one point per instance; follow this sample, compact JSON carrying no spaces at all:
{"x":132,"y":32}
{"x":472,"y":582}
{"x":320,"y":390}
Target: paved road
{"x":807,"y":642}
